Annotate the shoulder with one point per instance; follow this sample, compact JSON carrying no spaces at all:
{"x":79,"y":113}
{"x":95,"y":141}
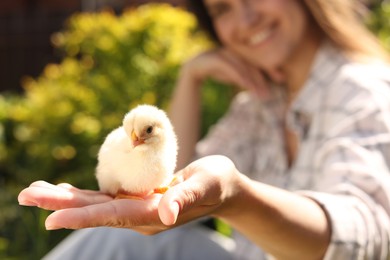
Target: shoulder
{"x":365,"y":82}
{"x":334,"y":71}
{"x":358,"y":81}
{"x":367,"y":75}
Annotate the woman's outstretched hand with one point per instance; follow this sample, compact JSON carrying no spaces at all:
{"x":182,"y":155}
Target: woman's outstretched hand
{"x":202,"y":189}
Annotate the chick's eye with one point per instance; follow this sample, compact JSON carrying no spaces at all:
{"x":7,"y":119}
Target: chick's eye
{"x":149,"y":130}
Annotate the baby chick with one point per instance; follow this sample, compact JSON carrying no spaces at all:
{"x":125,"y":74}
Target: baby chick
{"x":139,"y":157}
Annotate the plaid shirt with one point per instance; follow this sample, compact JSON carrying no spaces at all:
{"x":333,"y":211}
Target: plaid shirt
{"x":342,"y":120}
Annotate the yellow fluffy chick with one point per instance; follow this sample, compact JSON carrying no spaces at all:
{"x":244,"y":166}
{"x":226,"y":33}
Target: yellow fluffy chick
{"x":139,"y":157}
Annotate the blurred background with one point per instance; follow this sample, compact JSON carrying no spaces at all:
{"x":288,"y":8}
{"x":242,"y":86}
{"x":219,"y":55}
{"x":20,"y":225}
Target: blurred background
{"x":69,"y":71}
{"x":26,"y":27}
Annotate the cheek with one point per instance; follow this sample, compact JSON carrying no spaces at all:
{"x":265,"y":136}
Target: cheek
{"x":224,"y":29}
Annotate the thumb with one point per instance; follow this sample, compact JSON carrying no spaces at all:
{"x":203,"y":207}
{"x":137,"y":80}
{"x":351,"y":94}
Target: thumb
{"x":169,"y":212}
{"x":177,"y":199}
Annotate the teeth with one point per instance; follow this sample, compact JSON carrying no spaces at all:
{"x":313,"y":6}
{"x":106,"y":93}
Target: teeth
{"x":259,"y":37}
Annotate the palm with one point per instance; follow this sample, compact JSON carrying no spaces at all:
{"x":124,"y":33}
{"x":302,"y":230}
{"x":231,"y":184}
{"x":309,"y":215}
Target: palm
{"x":197,"y":192}
{"x":76,"y":208}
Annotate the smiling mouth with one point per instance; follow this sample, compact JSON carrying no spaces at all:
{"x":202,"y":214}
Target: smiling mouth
{"x":260,"y":37}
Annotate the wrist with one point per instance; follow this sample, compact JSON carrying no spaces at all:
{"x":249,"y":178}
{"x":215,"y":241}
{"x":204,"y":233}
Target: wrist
{"x":233,"y":197}
{"x":188,"y":74}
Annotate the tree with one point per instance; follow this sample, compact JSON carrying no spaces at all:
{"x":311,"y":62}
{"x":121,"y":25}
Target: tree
{"x":110,"y":64}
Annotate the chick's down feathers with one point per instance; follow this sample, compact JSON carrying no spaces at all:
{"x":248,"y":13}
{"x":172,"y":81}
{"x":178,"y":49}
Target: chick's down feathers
{"x":138,"y":156}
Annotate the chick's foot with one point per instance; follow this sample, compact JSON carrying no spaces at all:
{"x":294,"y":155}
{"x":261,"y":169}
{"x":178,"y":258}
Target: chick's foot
{"x":161,"y":190}
{"x":164,"y":189}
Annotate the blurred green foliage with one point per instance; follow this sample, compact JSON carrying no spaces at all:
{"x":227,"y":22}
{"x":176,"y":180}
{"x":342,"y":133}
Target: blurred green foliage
{"x":111,"y":63}
{"x":379,"y":21}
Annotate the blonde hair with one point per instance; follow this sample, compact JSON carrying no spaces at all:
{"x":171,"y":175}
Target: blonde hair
{"x":340,"y":22}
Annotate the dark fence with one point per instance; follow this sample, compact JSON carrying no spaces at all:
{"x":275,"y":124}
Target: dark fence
{"x":25,"y":44}
{"x":25,"y":30}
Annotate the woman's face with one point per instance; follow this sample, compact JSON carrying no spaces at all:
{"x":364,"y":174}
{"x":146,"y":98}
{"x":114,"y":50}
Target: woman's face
{"x":266,"y":33}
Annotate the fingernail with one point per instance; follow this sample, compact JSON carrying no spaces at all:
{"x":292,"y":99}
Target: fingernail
{"x":175,"y":210}
{"x":27,"y":203}
{"x":50,"y":226}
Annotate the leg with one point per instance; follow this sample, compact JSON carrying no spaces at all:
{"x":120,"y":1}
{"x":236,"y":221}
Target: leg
{"x":189,"y":242}
{"x":163,"y":189}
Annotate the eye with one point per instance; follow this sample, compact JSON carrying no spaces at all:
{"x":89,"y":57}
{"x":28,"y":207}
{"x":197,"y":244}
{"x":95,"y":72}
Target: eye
{"x":218,"y":9}
{"x":149,"y":130}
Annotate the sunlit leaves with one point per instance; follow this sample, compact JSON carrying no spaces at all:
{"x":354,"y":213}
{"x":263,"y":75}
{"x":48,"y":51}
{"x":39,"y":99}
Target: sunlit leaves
{"x":379,"y":22}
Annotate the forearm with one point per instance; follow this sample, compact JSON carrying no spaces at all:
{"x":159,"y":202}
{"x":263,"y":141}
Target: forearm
{"x":184,"y":113}
{"x":284,"y":224}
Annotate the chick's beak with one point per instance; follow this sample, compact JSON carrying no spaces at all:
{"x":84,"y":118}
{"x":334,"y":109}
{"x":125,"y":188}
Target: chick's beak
{"x":135,"y":139}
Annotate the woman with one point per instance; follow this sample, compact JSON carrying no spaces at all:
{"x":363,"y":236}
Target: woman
{"x":311,"y":132}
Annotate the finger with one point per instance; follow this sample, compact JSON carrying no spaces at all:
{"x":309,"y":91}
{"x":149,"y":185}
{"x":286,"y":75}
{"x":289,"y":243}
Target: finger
{"x":59,"y":187}
{"x":181,"y":198}
{"x":44,"y":184}
{"x":179,"y":209}
{"x":261,"y":88}
{"x":245,"y":75}
{"x":66,"y":186}
{"x":168,"y":208}
{"x":116,"y":213}
{"x":40,"y":195}
{"x":236,"y":70}
{"x":276,"y":75}
{"x":51,"y":197}
{"x":70,"y":187}
{"x":169,"y":212}
{"x":259,"y":85}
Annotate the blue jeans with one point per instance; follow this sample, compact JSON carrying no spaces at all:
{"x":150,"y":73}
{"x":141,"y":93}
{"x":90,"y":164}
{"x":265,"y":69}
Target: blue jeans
{"x":189,"y":242}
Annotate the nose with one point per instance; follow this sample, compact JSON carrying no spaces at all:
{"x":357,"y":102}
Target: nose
{"x":248,"y":13}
